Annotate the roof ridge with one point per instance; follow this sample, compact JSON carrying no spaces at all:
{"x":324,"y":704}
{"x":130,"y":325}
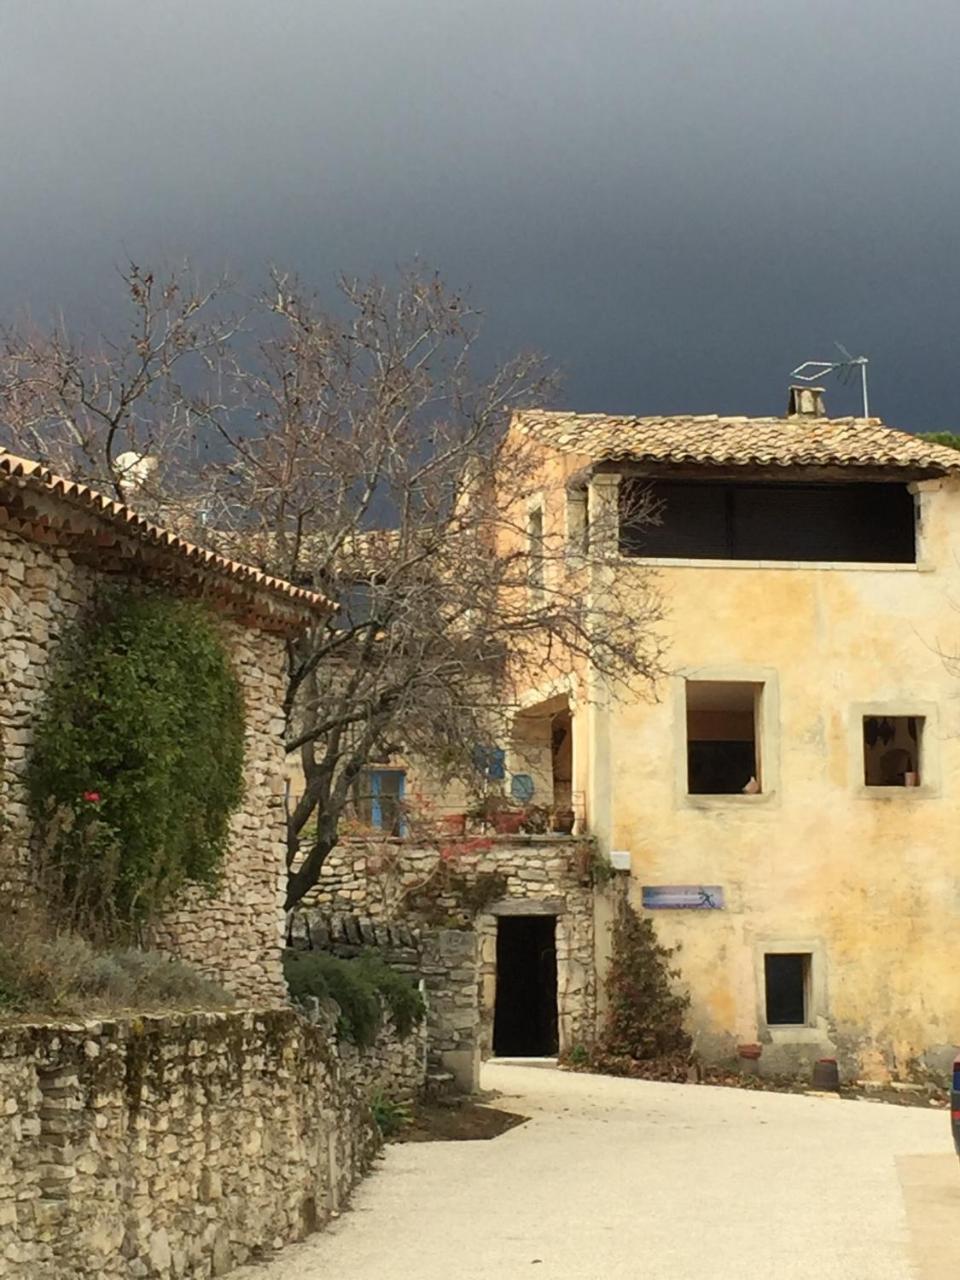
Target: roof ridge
{"x":712,"y":439}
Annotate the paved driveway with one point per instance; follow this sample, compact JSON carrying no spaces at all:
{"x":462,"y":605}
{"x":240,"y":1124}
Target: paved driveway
{"x":629,"y":1180}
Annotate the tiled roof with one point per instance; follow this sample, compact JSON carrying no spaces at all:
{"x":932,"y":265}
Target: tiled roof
{"x":34,"y":475}
{"x":714,"y":441}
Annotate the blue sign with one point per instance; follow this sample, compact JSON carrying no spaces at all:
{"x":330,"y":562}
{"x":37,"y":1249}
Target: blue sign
{"x":678,"y":897}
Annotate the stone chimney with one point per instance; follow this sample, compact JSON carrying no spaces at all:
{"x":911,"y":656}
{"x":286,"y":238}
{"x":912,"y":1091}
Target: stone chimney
{"x":806,"y":402}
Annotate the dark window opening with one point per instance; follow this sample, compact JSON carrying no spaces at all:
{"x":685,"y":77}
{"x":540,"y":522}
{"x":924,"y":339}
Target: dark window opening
{"x":891,"y":750}
{"x":525,"y":1015}
{"x":722,"y":749}
{"x":853,"y":523}
{"x":787,"y":978}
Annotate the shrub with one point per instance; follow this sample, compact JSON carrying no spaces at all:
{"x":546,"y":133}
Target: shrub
{"x":361,"y":987}
{"x":64,"y":974}
{"x":397,"y":991}
{"x":389,"y":1115}
{"x":137,"y":760}
{"x":644,"y":1020}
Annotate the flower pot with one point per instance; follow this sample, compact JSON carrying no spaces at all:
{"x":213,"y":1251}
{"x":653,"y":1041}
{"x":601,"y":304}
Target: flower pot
{"x":454,"y":824}
{"x":563,"y":821}
{"x":507,"y":822}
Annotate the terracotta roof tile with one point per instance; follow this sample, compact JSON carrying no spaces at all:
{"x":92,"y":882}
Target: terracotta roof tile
{"x":710,"y":440}
{"x":35,"y":475}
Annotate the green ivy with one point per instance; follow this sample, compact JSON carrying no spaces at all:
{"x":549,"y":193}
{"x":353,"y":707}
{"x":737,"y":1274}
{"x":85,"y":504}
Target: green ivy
{"x":137,"y":761}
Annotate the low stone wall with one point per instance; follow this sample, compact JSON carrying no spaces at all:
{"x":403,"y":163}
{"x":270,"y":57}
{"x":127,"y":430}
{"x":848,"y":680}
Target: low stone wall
{"x":471,"y":882}
{"x":445,"y":960}
{"x":181,"y":1146}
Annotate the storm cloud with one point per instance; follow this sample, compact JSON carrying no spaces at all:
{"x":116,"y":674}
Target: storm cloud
{"x":675,"y":201}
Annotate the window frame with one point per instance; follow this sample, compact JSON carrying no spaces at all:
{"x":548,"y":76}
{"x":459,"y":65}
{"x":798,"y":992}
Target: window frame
{"x":929,"y":755}
{"x":816,"y":992}
{"x":767,"y":738}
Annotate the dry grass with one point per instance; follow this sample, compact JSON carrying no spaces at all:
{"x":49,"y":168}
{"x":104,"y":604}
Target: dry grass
{"x":51,"y":975}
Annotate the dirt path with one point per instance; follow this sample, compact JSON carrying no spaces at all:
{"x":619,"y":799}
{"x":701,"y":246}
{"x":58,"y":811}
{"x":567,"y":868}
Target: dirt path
{"x":630,"y":1180}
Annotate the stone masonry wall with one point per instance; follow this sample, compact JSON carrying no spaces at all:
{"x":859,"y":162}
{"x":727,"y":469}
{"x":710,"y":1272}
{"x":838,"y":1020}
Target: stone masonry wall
{"x":181,"y":1146}
{"x":445,"y":960}
{"x":389,"y":880}
{"x":233,"y":934}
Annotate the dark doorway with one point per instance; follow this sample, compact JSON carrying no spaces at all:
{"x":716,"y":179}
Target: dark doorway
{"x":525,"y":1018}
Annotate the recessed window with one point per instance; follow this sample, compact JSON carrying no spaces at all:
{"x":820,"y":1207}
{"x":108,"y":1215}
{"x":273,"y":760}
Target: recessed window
{"x":787,"y":979}
{"x":378,"y":799}
{"x":535,"y":552}
{"x":723,"y":756}
{"x":706,"y":520}
{"x":892,"y":747}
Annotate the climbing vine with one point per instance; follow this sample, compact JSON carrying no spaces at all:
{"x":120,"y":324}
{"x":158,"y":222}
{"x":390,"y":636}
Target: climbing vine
{"x":137,"y":760}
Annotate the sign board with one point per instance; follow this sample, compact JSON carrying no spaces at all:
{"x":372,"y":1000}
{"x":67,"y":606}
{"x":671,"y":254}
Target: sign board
{"x":696,"y":897}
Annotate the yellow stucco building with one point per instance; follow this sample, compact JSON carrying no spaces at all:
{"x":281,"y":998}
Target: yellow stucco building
{"x":787,"y":798}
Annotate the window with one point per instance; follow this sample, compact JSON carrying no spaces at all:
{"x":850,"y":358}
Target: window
{"x":787,"y":983}
{"x":379,"y":800}
{"x":892,"y":750}
{"x":722,"y":740}
{"x":535,"y":552}
{"x":856,"y":523}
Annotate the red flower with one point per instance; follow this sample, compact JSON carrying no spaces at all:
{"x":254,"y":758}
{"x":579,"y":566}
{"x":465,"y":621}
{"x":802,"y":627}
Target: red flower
{"x":92,"y":797}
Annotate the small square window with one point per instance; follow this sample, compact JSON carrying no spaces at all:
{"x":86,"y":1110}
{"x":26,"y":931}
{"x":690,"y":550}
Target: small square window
{"x":892,"y":749}
{"x":787,"y":979}
{"x":723,"y":756}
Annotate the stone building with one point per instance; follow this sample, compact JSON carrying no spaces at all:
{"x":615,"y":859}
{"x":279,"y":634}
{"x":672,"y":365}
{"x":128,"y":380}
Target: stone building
{"x":60,"y":541}
{"x":787,"y":801}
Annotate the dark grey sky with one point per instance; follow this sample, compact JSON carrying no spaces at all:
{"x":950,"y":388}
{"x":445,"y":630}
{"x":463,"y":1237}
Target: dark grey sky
{"x":676,"y":200}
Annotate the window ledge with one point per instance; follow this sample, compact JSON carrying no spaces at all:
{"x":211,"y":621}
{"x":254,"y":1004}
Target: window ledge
{"x":792,"y":1033}
{"x":899,"y":795}
{"x":838,"y":566}
{"x":693,"y":800}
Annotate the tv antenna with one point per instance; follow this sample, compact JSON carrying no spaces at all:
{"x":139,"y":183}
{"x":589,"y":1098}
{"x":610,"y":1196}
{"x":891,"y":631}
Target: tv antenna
{"x":845,"y":369}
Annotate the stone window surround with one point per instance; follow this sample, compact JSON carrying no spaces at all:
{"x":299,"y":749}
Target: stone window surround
{"x":768,"y":738}
{"x":779,"y":1033}
{"x":929,"y":756}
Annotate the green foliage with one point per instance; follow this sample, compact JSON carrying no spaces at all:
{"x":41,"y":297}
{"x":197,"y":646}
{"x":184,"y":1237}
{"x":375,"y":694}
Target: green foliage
{"x":137,"y":760}
{"x":644,"y":1019}
{"x":361,"y":987}
{"x":63,"y":974}
{"x":948,"y":438}
{"x":389,"y":1115}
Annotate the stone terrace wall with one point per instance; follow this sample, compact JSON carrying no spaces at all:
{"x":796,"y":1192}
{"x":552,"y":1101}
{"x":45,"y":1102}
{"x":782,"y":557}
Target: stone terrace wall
{"x":181,"y":1146}
{"x":235,"y":934}
{"x":390,"y":880}
{"x":444,"y":959}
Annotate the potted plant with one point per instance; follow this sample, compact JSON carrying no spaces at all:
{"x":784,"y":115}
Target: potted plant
{"x":563,"y":822}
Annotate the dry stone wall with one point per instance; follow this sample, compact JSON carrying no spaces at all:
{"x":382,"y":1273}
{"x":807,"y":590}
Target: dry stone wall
{"x":233,"y":934}
{"x":181,"y":1146}
{"x":444,"y":960}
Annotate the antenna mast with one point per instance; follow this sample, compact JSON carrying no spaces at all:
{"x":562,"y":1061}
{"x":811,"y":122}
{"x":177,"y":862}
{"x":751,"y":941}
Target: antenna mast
{"x":845,"y":369}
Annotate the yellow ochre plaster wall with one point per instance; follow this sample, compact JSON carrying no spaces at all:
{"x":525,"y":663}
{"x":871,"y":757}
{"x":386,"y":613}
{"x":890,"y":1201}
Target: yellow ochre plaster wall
{"x":867,"y":880}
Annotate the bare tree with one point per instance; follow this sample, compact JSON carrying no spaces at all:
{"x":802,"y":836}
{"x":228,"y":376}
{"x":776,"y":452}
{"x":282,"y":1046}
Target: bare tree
{"x":84,"y":408}
{"x":355,"y":449}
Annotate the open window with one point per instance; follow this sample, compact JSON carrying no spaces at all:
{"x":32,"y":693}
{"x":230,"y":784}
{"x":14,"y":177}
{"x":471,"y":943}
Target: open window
{"x":892,"y":748}
{"x":723,"y":748}
{"x":787,"y":988}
